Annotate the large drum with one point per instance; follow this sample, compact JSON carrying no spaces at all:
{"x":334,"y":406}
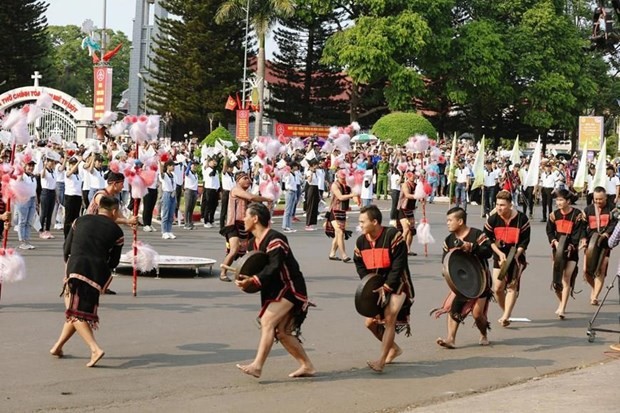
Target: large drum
{"x":366,"y":299}
{"x":464,"y":274}
{"x":595,"y":253}
{"x":508,"y":264}
{"x":559,"y":260}
{"x":250,"y":264}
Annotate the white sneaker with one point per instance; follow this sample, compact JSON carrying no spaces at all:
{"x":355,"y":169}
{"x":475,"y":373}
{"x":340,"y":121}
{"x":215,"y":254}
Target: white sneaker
{"x":148,"y":228}
{"x":207,"y":225}
{"x":289,"y":230}
{"x":23,"y":246}
{"x":165,"y":235}
{"x":172,"y":236}
{"x":30,"y":246}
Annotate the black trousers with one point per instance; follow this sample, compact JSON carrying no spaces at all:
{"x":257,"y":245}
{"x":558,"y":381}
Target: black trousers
{"x":224,"y":208}
{"x":209,"y":200}
{"x":394,"y":210}
{"x":73,"y":204}
{"x":48,"y":200}
{"x":150,"y":199}
{"x":547,"y":201}
{"x":312,"y":205}
{"x":489,"y":198}
{"x":528,"y":194}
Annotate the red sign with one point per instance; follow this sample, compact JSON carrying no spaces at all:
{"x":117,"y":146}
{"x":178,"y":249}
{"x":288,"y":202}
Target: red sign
{"x":303,"y":131}
{"x":102,"y":91}
{"x":243,"y":125}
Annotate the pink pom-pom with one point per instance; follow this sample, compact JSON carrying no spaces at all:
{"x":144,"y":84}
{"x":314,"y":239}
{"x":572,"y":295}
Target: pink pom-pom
{"x":138,"y":187}
{"x":284,"y":139}
{"x":12,"y":266}
{"x":19,"y":191}
{"x":147,"y":259}
{"x":441,"y":159}
{"x":148,"y":176}
{"x":143,"y":118}
{"x":267,"y":169}
{"x":419,"y":192}
{"x":115,"y":166}
{"x":262,"y":187}
{"x":272,"y":148}
{"x":261,"y":154}
{"x":350,"y":180}
{"x":428,"y":189}
{"x":164,"y":157}
{"x":44,"y":101}
{"x":403,"y":166}
{"x":358,"y":176}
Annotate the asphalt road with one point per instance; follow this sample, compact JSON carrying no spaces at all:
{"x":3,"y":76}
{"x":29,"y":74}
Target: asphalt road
{"x":175,"y":345}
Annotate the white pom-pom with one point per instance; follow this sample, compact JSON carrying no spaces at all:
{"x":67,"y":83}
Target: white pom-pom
{"x":20,"y":132}
{"x":333,"y":132}
{"x":34,"y":113}
{"x":117,"y":129}
{"x":343,"y":143}
{"x":419,"y":193}
{"x":107,"y":118}
{"x":12,"y":119}
{"x":12,"y":266}
{"x":424,"y":233}
{"x":355,"y":126}
{"x":147,"y":259}
{"x":152,"y":126}
{"x":422,"y":143}
{"x":44,"y":101}
{"x":273,"y":148}
{"x":138,"y":132}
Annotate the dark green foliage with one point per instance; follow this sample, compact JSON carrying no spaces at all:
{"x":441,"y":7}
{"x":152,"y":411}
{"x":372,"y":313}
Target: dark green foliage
{"x":397,"y":127}
{"x":24,"y":47}
{"x":222,"y":134}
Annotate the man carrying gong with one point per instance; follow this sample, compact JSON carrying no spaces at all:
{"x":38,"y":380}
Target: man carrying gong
{"x":476,"y":245}
{"x":382,"y":250}
{"x":284,"y":301}
{"x":509,"y":232}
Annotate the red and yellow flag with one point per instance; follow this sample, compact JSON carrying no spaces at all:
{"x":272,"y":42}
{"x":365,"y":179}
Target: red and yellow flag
{"x":231,"y":104}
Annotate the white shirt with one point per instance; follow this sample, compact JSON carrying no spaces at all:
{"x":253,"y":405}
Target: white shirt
{"x":211,"y":182}
{"x":191,"y":181}
{"x":395,"y":182}
{"x":547,"y":180}
{"x":611,"y":184}
{"x":228,"y":181}
{"x":490,"y":177}
{"x":60,"y":174}
{"x":320,"y":179}
{"x":96,"y":179}
{"x":311,"y":177}
{"x":49,"y":180}
{"x":178,"y":174}
{"x":73,"y":185}
{"x":30,"y":182}
{"x":367,"y":191}
{"x":462,"y":175}
{"x":167,"y":182}
{"x":84,"y":177}
{"x":290,"y":183}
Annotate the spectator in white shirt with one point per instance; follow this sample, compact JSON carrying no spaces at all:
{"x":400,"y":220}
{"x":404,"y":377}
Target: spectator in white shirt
{"x":73,"y":194}
{"x":228,"y":183}
{"x":26,"y":209}
{"x":48,"y":194}
{"x":612,"y":187}
{"x":209,"y":202}
{"x":191,"y":194}
{"x":168,"y":199}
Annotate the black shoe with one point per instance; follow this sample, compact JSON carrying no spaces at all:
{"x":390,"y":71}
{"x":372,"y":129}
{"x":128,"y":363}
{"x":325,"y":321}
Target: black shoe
{"x":543,"y":220}
{"x":109,"y":292}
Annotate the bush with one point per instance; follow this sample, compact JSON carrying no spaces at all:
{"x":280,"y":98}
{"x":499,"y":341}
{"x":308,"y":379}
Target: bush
{"x":397,"y":127}
{"x":222,"y":134}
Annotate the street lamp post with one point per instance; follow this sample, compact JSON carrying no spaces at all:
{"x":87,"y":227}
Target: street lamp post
{"x":245,"y":55}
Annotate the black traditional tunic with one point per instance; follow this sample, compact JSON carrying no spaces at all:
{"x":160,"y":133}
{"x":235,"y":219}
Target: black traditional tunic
{"x":507,"y":234}
{"x":92,"y":248}
{"x":605,"y":223}
{"x":281,"y":278}
{"x":387,"y":256}
{"x":570,"y":224}
{"x":458,"y":306}
{"x":338,"y":212}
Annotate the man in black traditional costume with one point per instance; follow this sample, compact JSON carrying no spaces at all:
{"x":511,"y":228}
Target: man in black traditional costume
{"x":382,"y":250}
{"x":472,"y":241}
{"x":284,"y":300}
{"x":92,"y":248}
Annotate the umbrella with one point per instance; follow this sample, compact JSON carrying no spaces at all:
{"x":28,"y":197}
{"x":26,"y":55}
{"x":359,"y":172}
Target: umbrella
{"x":363,"y":138}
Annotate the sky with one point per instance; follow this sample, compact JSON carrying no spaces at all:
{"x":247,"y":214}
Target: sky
{"x":120,"y":13}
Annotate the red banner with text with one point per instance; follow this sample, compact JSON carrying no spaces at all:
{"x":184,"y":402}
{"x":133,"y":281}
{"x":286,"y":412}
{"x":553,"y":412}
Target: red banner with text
{"x":302,"y":131}
{"x":243,"y":125}
{"x":102,"y":91}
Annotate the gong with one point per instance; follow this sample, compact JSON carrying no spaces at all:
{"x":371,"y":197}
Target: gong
{"x":366,"y":299}
{"x":464,"y":274}
{"x":250,"y":264}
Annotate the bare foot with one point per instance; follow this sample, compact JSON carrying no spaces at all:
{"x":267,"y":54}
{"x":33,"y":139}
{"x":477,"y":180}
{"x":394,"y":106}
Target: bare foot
{"x":393,"y":353}
{"x":250,"y":369}
{"x":445,"y":344}
{"x":304,"y":371}
{"x":504,"y":322}
{"x":56,"y":352}
{"x":484,"y":341}
{"x":95,"y":357}
{"x":375,"y":366}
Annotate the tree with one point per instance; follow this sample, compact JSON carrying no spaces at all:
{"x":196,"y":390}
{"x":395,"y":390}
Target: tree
{"x":308,"y":91}
{"x":263,"y":15}
{"x":24,"y":47}
{"x":197,"y":64}
{"x":73,"y":68}
{"x":397,"y":127}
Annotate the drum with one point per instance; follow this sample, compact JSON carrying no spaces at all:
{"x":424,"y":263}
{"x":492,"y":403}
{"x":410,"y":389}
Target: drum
{"x":366,"y":299}
{"x":559,"y":260}
{"x":250,"y":264}
{"x":595,"y":253}
{"x":464,"y":274}
{"x":507,"y":265}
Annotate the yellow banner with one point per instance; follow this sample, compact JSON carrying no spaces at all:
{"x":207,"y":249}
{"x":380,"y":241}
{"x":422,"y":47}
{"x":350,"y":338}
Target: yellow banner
{"x":591,"y":130}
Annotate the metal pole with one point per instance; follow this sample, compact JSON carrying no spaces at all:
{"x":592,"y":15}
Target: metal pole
{"x":103,"y":45}
{"x":245,"y":54}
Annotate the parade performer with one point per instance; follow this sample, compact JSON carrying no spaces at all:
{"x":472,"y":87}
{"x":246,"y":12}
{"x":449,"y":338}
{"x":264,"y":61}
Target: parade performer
{"x":406,"y":209}
{"x":284,"y":300}
{"x":234,"y":231}
{"x":472,"y":241}
{"x":599,"y":220}
{"x":507,"y":228}
{"x":336,"y":223}
{"x":91,"y":250}
{"x":382,"y":250}
{"x":567,"y":221}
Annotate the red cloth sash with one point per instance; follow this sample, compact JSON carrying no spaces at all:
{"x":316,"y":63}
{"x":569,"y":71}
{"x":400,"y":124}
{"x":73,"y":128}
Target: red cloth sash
{"x":509,"y":235}
{"x":376,"y":258}
{"x":564,"y":226}
{"x":592,"y":221}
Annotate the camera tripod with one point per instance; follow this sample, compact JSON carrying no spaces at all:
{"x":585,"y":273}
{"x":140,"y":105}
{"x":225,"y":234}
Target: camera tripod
{"x":592,"y":330}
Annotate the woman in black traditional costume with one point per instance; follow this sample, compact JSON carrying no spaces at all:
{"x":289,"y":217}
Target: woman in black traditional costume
{"x":473,"y":241}
{"x":507,"y":228}
{"x":382,"y":250}
{"x":336,"y":222}
{"x":284,"y":300}
{"x":567,"y":221}
{"x":92,"y":248}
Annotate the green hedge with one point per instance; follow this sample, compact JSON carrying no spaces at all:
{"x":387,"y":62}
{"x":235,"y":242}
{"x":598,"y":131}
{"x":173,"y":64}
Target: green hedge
{"x":397,"y":127}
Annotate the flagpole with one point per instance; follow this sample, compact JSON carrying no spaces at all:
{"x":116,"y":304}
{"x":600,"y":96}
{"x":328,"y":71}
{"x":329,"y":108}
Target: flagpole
{"x":245,"y":53}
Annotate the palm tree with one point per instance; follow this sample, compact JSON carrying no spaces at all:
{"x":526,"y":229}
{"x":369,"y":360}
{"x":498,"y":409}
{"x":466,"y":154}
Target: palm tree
{"x":263,"y":14}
